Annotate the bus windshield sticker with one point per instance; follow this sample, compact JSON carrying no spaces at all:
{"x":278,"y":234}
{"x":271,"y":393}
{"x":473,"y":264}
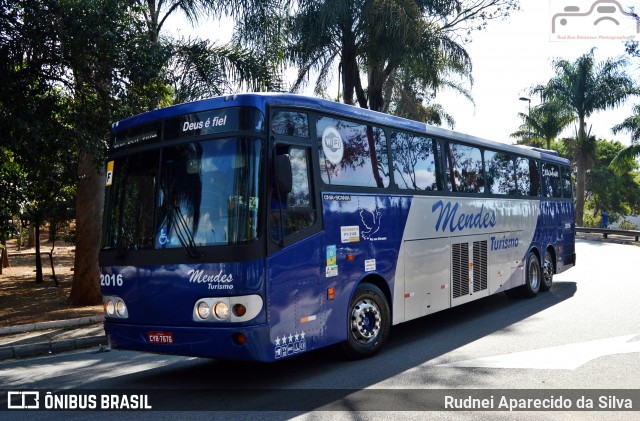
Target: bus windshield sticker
{"x":332,"y":145}
{"x":350,"y":234}
{"x":109,"y":173}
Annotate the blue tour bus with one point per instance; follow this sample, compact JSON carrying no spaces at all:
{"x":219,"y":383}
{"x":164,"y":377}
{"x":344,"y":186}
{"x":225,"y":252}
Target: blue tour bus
{"x":262,"y":226}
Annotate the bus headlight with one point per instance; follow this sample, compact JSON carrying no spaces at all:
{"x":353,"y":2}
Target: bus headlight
{"x":115,"y":307}
{"x":111,"y":308}
{"x":121,"y":308}
{"x":203,"y":309}
{"x":234,"y":309}
{"x":221,"y":310}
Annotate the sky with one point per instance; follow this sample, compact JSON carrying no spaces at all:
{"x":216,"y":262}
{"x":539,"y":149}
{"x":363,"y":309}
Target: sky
{"x":508,"y":58}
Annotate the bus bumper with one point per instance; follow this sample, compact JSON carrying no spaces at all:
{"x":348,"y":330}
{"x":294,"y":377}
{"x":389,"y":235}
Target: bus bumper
{"x":209,"y":342}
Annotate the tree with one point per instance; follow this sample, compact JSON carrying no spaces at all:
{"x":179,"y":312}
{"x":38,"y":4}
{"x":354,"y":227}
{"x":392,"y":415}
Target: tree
{"x":618,"y":194}
{"x":124,"y":69}
{"x":373,"y":39}
{"x":546,"y":122}
{"x":199,"y":69}
{"x":584,"y":87}
{"x":96,"y":41}
{"x":405,"y":95}
{"x":627,"y":156}
{"x":195,"y":68}
{"x":31,"y":108}
{"x":11,"y":199}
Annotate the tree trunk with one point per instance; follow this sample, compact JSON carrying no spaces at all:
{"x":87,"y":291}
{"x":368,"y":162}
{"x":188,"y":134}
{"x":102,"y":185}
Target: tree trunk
{"x":581,"y":169}
{"x":38,"y":259}
{"x":31,"y":241}
{"x":376,"y":82}
{"x":349,"y":67}
{"x":5,"y":256}
{"x":85,"y":289}
{"x":388,"y":91}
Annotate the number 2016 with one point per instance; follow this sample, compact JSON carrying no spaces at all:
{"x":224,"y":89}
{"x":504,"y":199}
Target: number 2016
{"x":111,"y":280}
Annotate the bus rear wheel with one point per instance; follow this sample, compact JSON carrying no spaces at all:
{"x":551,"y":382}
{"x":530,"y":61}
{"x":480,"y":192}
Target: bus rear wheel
{"x":547,"y":272}
{"x":533,"y":275}
{"x":368,"y":322}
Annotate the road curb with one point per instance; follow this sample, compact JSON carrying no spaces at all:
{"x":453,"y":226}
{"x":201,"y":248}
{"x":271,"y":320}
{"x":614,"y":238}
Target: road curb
{"x":54,"y":324}
{"x":51,"y":347}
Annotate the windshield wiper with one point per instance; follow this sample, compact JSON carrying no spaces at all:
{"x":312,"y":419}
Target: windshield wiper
{"x":182,"y":231}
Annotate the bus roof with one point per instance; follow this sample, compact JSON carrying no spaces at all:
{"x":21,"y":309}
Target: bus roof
{"x":262,"y":100}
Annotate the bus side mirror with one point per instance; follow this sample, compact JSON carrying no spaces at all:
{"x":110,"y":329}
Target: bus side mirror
{"x":284,"y":177}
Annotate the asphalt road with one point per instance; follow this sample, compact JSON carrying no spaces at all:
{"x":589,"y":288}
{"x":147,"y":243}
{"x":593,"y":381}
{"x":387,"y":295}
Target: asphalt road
{"x":581,"y":340}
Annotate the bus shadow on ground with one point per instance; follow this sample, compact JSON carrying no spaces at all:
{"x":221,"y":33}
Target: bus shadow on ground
{"x":323,"y":379}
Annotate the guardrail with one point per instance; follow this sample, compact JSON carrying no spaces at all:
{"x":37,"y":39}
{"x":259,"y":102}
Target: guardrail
{"x":606,"y":231}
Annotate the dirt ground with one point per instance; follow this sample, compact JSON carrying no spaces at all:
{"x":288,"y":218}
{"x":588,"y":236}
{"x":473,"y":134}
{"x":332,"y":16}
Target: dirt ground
{"x":23,"y":301}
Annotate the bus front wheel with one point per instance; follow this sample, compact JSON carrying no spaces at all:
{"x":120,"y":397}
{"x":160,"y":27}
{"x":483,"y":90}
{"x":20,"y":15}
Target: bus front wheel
{"x":533,"y":275}
{"x":368,"y":322}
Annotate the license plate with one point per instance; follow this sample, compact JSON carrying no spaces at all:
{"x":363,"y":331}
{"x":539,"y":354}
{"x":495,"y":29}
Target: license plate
{"x":163,"y":338}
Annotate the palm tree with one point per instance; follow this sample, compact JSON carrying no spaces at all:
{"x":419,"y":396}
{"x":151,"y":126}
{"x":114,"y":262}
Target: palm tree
{"x":546,"y":121}
{"x":627,"y":156}
{"x":196,"y":69}
{"x":374,"y":39}
{"x":405,"y":96}
{"x":585,"y":87}
{"x":200,"y":69}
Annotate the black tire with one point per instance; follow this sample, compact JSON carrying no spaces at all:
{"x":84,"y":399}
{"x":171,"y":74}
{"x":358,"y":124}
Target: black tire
{"x":368,"y":322}
{"x":533,"y":276}
{"x":547,"y":272}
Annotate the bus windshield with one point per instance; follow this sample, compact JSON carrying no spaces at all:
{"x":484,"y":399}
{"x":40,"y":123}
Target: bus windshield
{"x":187,"y":195}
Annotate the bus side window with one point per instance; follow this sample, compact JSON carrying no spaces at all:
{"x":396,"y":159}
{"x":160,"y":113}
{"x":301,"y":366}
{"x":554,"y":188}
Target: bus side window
{"x":290,"y":123}
{"x":415,"y":162}
{"x":463,"y":168}
{"x":295,"y":211}
{"x":567,"y":185}
{"x":500,"y":173}
{"x":551,"y":180}
{"x":534,"y":174}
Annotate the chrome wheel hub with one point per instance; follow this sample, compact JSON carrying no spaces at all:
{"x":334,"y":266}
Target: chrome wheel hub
{"x":365,"y":321}
{"x":534,"y":274}
{"x":548,"y":270}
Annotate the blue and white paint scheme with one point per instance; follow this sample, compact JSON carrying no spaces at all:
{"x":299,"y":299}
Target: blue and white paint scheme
{"x":266,"y":299}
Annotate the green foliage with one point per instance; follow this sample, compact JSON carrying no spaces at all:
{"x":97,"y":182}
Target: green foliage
{"x":627,"y":157}
{"x":616,"y":194}
{"x":200,"y":69}
{"x":12,"y":198}
{"x":544,"y":124}
{"x":627,"y":225}
{"x":388,"y":50}
{"x":630,"y":125}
